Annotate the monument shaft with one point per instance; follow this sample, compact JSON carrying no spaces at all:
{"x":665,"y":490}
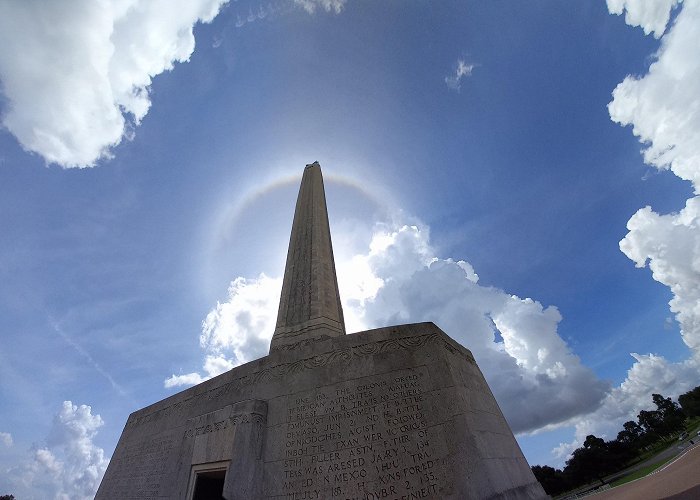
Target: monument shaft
{"x":310,"y":303}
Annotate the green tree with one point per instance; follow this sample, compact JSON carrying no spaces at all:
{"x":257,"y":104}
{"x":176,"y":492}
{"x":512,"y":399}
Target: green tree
{"x":652,"y":423}
{"x":552,"y":480}
{"x":619,"y":454}
{"x":591,"y":461}
{"x":672,"y":417}
{"x":7,"y":497}
{"x":631,"y":434}
{"x":690,"y":402}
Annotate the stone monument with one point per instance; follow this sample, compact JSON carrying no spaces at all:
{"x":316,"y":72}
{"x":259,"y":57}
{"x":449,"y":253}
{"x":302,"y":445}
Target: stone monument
{"x":401,"y":412}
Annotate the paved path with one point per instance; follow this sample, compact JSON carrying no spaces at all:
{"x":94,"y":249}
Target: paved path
{"x":680,"y":480}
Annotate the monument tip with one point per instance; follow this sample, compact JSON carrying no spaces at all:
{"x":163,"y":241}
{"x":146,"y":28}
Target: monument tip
{"x":310,"y":306}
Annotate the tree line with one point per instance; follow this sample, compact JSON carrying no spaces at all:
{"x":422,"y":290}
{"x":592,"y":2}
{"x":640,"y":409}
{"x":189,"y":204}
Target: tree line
{"x":598,"y":458}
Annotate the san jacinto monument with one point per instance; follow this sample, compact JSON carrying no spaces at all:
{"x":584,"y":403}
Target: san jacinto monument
{"x":401,"y":412}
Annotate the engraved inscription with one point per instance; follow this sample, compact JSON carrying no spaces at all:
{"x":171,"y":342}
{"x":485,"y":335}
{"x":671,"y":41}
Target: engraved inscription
{"x":138,"y":470}
{"x":224,"y":424}
{"x":365,"y":439}
{"x":205,"y":429}
{"x":183,"y":407}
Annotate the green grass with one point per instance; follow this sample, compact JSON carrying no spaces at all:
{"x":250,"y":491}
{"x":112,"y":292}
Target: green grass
{"x":691,"y":426}
{"x":641,"y":472}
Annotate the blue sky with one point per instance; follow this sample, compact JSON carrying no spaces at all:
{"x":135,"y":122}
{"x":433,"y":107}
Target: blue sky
{"x":487,"y":167}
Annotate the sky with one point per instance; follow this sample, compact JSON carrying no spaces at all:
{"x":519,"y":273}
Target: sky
{"x":523,"y":174}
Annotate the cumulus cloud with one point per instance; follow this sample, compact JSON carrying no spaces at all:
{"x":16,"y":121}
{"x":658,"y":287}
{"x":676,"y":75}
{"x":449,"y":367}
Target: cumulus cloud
{"x":70,"y":465}
{"x":310,"y":6}
{"x":398,"y":280}
{"x":76,"y":74}
{"x":238,"y":330}
{"x":515,"y":340}
{"x":214,"y":364}
{"x":670,"y":244}
{"x":652,"y":16}
{"x":454,"y":80}
{"x":648,"y":375}
{"x":6,"y":439}
{"x":663,"y":107}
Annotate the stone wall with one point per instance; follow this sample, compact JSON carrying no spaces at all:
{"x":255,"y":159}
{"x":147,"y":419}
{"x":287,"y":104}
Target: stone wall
{"x":398,"y":413}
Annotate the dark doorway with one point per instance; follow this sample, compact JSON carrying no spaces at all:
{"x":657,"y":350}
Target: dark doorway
{"x":209,"y":485}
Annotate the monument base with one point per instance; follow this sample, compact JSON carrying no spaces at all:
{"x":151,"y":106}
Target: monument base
{"x":398,"y":413}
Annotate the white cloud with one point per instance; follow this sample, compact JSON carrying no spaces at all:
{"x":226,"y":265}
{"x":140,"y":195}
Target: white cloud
{"x":652,"y":16}
{"x":671,"y":246}
{"x":663,"y":106}
{"x":186,"y":380}
{"x":454,"y":80}
{"x":252,"y":17}
{"x":400,"y":280}
{"x":6,"y":439}
{"x":70,"y":465}
{"x":310,"y":6}
{"x":213,"y":365}
{"x":76,"y":74}
{"x":240,"y":328}
{"x":648,"y":375}
{"x":530,"y":369}
{"x":244,"y":324}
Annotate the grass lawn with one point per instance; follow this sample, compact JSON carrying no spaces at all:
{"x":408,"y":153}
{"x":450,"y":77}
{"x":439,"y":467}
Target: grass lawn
{"x":641,"y":472}
{"x":692,"y":426}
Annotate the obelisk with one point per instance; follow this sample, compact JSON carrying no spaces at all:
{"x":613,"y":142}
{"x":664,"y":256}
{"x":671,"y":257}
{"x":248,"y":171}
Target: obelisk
{"x":309,"y":303}
{"x":399,"y":412}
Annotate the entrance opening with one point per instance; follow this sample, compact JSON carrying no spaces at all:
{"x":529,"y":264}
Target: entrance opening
{"x":209,"y":485}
